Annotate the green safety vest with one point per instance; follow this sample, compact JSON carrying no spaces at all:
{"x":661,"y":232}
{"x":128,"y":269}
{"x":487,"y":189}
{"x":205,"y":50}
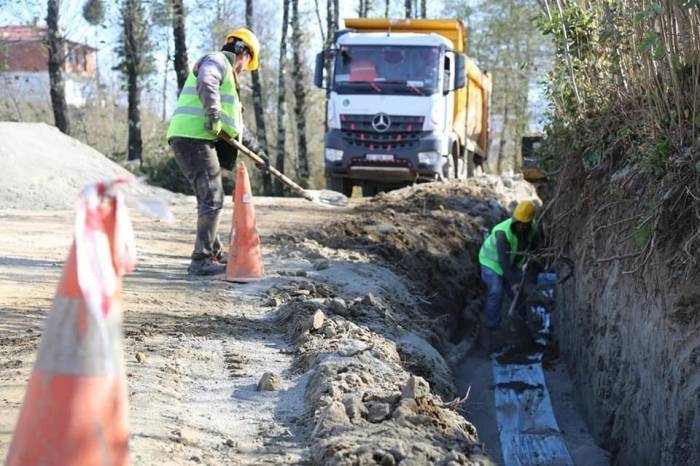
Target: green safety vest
{"x":488,"y":255}
{"x":189,"y":117}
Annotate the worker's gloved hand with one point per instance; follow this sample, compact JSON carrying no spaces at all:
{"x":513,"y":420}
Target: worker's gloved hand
{"x":265,"y":166}
{"x":213,"y":124}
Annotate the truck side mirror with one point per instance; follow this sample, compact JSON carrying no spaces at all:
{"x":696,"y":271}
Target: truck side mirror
{"x":460,"y":70}
{"x":318,"y":72}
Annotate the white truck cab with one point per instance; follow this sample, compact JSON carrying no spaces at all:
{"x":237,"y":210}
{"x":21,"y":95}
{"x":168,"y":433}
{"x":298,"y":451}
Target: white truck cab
{"x":391,"y":109}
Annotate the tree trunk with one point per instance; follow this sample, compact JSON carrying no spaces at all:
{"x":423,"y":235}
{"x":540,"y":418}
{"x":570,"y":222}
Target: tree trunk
{"x":281,"y":98}
{"x":423,"y":9}
{"x":164,"y":90}
{"x":299,"y":77}
{"x":56,"y":61}
{"x":331,"y":28}
{"x":363,"y":9}
{"x":386,"y":8}
{"x":134,"y":116}
{"x":181,"y":67}
{"x":258,"y":106}
{"x":522,"y":76}
{"x":320,"y":22}
{"x":135,"y":47}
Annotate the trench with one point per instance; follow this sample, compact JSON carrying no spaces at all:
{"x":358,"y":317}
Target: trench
{"x":522,"y":400}
{"x":524,"y":405}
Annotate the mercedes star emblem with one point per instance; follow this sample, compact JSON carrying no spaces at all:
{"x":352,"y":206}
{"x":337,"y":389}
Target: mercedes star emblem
{"x":381,"y":122}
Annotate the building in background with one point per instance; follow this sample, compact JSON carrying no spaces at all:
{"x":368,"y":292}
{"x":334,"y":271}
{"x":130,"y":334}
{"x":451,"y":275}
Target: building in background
{"x":24,"y":75}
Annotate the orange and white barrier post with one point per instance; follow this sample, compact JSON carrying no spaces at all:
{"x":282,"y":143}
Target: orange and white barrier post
{"x":245,"y":262}
{"x":75,"y":408}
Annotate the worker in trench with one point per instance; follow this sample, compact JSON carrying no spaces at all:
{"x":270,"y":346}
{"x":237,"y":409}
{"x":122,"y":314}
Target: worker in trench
{"x":502,"y":258}
{"x":207,"y":108}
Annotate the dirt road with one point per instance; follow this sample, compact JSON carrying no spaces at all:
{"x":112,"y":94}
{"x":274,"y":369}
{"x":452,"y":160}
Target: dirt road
{"x":206,"y":342}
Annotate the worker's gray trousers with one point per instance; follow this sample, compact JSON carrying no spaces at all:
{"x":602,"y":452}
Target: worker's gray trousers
{"x":198,"y":161}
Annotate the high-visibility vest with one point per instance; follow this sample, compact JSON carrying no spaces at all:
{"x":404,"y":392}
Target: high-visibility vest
{"x":189,"y":117}
{"x":488,"y":254}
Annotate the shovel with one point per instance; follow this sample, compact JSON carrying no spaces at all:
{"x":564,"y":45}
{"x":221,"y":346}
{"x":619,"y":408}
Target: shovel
{"x":323,"y":197}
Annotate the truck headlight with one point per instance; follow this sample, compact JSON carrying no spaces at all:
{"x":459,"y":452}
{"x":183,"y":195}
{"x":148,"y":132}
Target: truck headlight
{"x":334,"y":155}
{"x":428,"y":158}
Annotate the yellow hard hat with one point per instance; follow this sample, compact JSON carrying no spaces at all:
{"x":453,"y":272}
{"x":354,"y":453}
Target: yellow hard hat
{"x":524,"y":212}
{"x":251,"y":41}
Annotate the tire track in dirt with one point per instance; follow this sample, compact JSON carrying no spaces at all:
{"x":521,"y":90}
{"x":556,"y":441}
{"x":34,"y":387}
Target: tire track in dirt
{"x":195,"y":397}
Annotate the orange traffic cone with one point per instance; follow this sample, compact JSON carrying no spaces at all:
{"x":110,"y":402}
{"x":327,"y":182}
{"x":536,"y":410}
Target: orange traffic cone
{"x":75,"y":408}
{"x":245,"y":252}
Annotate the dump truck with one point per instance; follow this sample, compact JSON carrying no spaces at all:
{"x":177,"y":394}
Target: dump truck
{"x":405,"y":104}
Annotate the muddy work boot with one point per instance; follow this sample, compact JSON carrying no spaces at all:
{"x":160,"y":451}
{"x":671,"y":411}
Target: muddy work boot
{"x":206,"y":266}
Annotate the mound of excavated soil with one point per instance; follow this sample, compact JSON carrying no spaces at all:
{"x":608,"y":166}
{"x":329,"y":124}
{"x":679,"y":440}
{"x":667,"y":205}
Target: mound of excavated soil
{"x":432,"y":233}
{"x":378,"y":390}
{"x":42,"y":168}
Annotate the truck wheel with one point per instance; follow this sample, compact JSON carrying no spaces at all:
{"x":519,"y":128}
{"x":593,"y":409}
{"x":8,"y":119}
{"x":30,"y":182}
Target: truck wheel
{"x":459,"y":169}
{"x":448,"y":168}
{"x":340,"y":185}
{"x":470,"y":164}
{"x":369,"y":190}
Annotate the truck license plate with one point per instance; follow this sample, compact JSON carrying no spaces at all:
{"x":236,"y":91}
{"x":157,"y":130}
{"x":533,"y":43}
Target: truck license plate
{"x":380,"y":157}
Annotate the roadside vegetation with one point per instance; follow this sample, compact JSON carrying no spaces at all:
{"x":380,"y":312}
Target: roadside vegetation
{"x":624,"y":94}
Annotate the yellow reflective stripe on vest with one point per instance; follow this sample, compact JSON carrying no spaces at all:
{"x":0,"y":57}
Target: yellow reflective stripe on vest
{"x":230,"y":99}
{"x":200,"y":112}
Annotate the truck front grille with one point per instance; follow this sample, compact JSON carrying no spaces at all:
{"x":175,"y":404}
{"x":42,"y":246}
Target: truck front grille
{"x":403,"y":133}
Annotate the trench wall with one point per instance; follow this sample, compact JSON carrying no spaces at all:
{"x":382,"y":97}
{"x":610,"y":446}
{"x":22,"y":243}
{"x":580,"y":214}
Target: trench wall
{"x":631,"y":340}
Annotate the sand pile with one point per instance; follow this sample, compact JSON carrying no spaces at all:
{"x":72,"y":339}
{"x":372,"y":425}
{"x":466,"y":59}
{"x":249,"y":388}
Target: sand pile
{"x":42,"y":168}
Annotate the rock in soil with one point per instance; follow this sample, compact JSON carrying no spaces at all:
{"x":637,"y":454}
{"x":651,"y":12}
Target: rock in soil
{"x":377,"y":411}
{"x":269,"y":382}
{"x":354,"y":407}
{"x":331,"y":417}
{"x":315,"y":322}
{"x":416,"y":387}
{"x":338,"y":306}
{"x":322,"y":264}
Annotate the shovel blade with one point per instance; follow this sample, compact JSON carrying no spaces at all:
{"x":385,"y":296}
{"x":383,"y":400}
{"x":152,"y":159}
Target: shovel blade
{"x":327,"y":198}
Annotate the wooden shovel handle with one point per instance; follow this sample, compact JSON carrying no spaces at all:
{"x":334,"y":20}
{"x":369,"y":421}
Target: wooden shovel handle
{"x":259,"y":161}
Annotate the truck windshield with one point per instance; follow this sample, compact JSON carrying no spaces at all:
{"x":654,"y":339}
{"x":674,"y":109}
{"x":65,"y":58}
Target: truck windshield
{"x":365,"y":69}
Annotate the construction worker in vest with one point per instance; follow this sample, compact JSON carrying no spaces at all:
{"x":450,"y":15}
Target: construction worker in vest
{"x":208,"y":106}
{"x":502,"y":258}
